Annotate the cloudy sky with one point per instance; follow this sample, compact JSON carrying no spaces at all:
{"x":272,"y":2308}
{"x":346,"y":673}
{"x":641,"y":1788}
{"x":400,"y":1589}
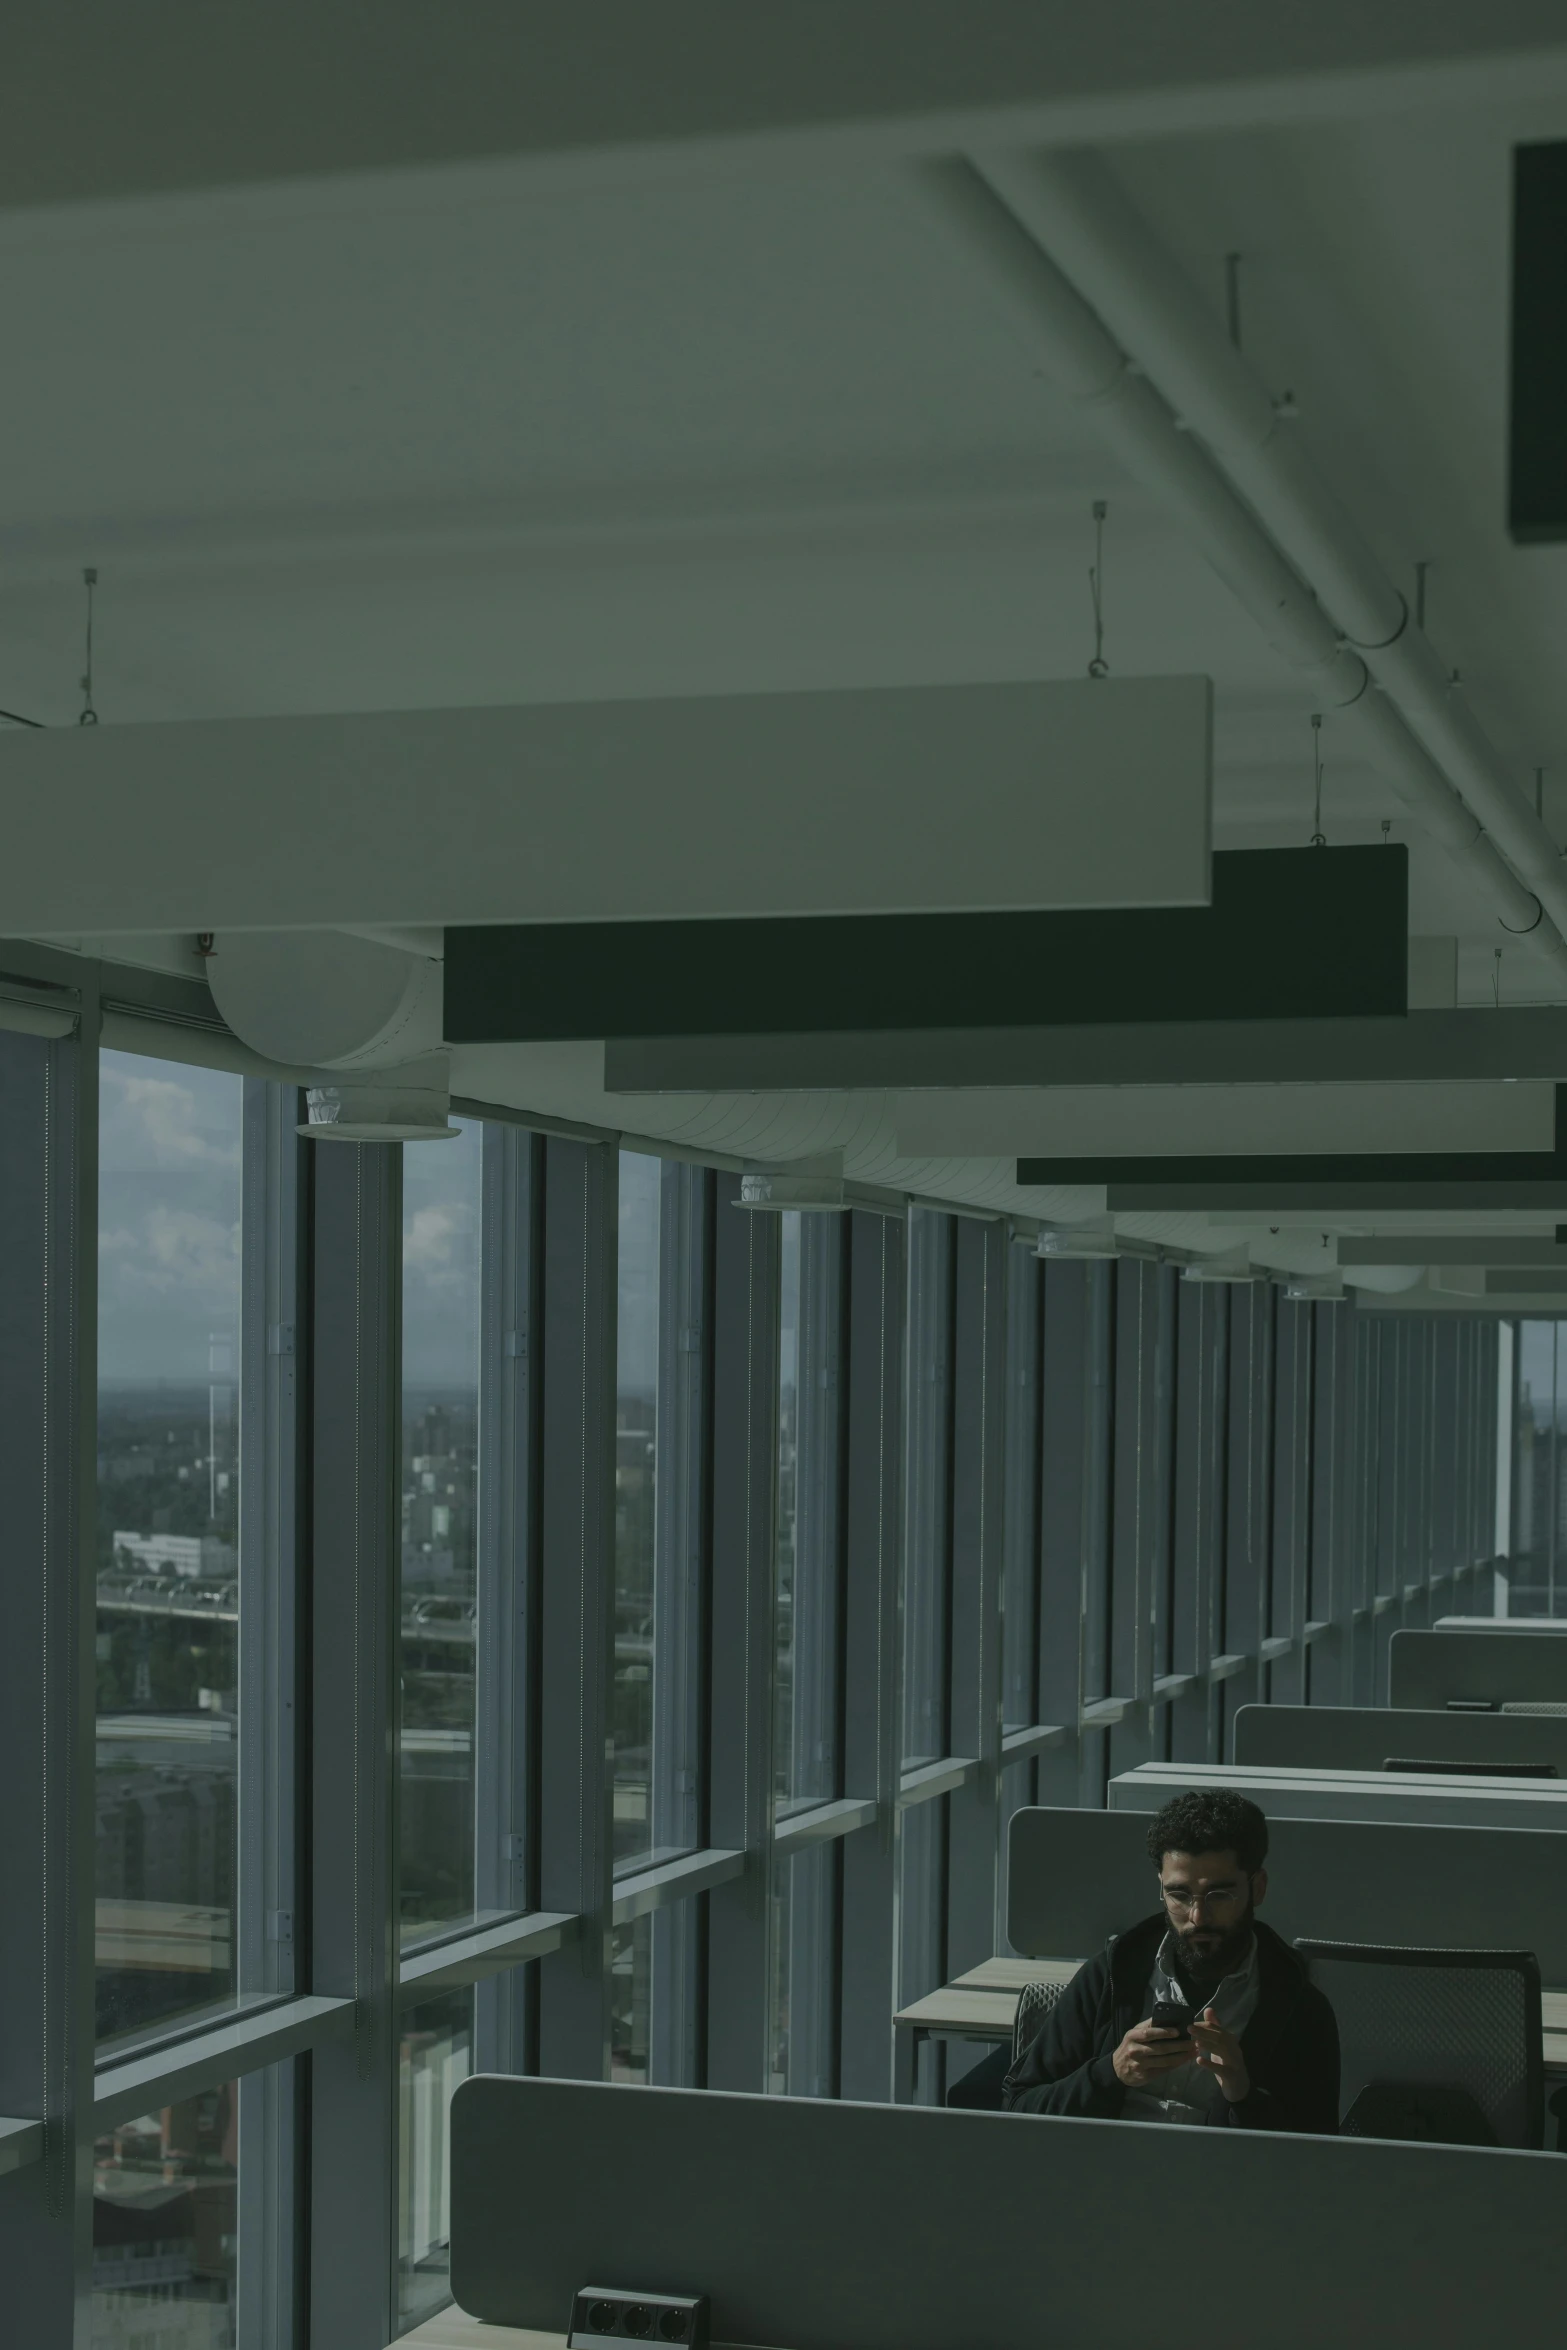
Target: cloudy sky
{"x":168,"y":1243}
{"x":168,"y":1231}
{"x":168,"y":1218}
{"x":441,"y":1261}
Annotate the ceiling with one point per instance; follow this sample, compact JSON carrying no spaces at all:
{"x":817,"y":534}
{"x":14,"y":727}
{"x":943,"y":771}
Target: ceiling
{"x":462,"y":433}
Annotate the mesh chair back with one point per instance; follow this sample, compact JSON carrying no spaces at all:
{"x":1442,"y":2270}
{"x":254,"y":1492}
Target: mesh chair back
{"x":1439,"y":2044}
{"x":1035,"y":2001}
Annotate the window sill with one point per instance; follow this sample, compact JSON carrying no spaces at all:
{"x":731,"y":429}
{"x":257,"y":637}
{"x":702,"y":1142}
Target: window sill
{"x":823,"y":1822}
{"x":21,"y":2142}
{"x":471,"y":1958}
{"x":673,"y":1880}
{"x":936,"y":1778}
{"x":206,"y":2059}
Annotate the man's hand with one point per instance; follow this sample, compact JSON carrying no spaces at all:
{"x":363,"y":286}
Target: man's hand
{"x":1147,"y":2052}
{"x":1219,"y":2052}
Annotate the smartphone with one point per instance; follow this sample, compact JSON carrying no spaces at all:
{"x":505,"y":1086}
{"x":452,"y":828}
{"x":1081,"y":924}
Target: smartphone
{"x":1170,"y":2015}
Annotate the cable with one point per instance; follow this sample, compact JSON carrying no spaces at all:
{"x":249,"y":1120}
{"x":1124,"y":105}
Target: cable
{"x":16,"y":719}
{"x":89,"y":716}
{"x":1098,"y":666}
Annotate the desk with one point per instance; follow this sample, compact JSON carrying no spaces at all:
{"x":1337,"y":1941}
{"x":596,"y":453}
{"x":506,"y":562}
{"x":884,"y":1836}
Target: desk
{"x":982,"y":2005}
{"x":452,"y":2331}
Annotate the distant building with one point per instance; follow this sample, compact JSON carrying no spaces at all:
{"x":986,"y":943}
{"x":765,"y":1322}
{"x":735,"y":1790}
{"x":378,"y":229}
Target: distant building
{"x":197,"y":1556}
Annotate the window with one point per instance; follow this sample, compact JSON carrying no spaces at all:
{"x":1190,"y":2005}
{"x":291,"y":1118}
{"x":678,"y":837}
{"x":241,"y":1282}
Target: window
{"x":1020,"y":1582}
{"x":167,"y":1645}
{"x":928,"y":1525}
{"x":631,"y":1999}
{"x":165,"y":2227}
{"x":435,"y":2053}
{"x":806,"y":1668}
{"x":439,"y":1592}
{"x":636,"y":1458}
{"x":1539,"y":1488}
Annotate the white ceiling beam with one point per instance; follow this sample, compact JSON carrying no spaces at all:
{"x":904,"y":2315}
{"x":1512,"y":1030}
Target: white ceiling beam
{"x":185,"y":97}
{"x":1121,"y":391}
{"x":933,"y":799}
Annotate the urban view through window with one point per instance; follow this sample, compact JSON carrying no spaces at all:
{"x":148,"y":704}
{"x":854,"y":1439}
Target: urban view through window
{"x":167,"y":1663}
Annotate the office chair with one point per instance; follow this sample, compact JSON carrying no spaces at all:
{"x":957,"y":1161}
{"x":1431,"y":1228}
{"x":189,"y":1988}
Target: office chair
{"x":981,"y":2088}
{"x":1436,"y":2044}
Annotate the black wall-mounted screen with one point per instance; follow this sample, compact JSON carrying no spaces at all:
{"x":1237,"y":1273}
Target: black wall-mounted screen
{"x":1291,"y":934}
{"x":1537,"y":458}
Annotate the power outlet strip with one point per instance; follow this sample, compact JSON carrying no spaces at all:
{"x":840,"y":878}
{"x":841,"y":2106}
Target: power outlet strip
{"x":606,"y":2313}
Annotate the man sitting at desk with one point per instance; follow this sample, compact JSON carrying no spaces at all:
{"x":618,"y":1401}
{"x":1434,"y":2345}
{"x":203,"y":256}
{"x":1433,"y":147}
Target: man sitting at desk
{"x":1255,"y":2046}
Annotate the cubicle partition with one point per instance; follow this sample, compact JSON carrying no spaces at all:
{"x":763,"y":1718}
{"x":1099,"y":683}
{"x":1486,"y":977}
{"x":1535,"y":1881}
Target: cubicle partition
{"x":1377,"y":1738}
{"x":812,"y":2224}
{"x":1455,"y":1801}
{"x":1504,"y":1624}
{"x":1074,"y":1878}
{"x":1438,"y":1669}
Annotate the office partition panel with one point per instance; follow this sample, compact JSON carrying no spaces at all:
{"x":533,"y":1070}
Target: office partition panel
{"x":1371,"y":1738}
{"x":811,"y":2224}
{"x":1358,"y":1795}
{"x":1485,"y":1668}
{"x":1077,"y":1877}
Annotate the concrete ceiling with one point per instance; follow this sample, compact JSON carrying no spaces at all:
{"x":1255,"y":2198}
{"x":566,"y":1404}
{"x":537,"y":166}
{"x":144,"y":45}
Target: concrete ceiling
{"x":457,"y":429}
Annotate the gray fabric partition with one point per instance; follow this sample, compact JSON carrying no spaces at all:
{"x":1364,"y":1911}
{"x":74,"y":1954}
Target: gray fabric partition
{"x":1507,"y":1625}
{"x":1076,"y":1877}
{"x":1355,"y":1795}
{"x":812,"y":2224}
{"x":1433,"y":1668}
{"x":1364,"y":1737}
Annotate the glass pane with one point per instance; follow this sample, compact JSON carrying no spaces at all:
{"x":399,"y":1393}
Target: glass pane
{"x":439,"y":1517}
{"x":631,"y":2000}
{"x":809,"y":1511}
{"x":168,"y":1562}
{"x":636,"y":1447}
{"x":1020,"y":1575}
{"x":436,"y":2053}
{"x":805,"y":1912}
{"x":164,"y":2227}
{"x":929,"y":1481}
{"x":922,"y":1875}
{"x":788,"y":1446}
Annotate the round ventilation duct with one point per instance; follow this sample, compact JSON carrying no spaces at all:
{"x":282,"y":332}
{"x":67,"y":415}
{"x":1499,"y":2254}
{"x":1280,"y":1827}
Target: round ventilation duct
{"x":406,"y":1104}
{"x":324,"y":999}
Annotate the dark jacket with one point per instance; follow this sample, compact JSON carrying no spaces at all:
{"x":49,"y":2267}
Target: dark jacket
{"x":1290,"y":2044}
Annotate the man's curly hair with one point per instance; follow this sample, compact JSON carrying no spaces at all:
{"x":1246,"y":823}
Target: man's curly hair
{"x":1211,"y":1819}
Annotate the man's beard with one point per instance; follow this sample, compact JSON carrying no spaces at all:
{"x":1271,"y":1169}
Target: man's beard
{"x":1207,"y":1965}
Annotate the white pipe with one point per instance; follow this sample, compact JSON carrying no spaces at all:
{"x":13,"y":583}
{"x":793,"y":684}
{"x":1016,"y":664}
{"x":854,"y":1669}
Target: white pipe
{"x":1096,"y":234}
{"x":1057,"y":325}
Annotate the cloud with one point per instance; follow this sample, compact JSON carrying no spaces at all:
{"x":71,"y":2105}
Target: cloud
{"x":178,"y":1253}
{"x":170,"y":1122}
{"x":430,"y":1240}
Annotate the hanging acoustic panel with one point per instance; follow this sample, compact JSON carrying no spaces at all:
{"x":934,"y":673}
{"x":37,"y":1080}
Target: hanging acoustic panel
{"x":883,"y":800}
{"x":1328,"y":1181}
{"x":1220,"y":1122}
{"x":1291,"y":934}
{"x":1527,"y":1041}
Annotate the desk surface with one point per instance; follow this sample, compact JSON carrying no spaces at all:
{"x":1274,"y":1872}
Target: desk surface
{"x":452,"y":2331}
{"x":981,"y":2005}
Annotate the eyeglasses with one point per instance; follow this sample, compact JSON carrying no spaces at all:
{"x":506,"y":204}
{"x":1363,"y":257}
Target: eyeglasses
{"x":1185,"y":1905}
